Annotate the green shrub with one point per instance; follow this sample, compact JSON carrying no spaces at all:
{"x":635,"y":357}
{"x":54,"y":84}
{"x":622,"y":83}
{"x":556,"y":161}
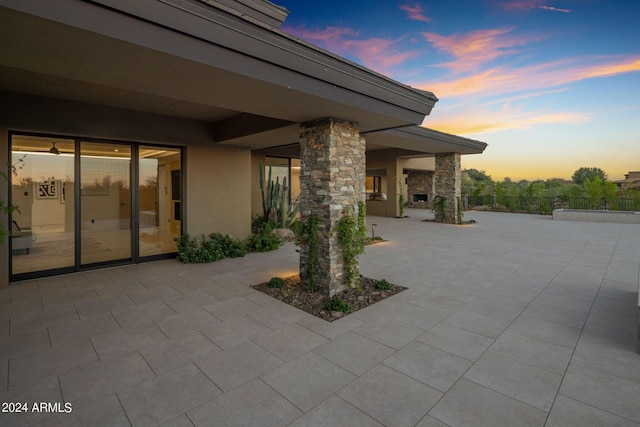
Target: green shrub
{"x":264,"y":240}
{"x":337,"y":304}
{"x":383,"y":285}
{"x":203,"y":249}
{"x":232,"y":248}
{"x":275,"y":282}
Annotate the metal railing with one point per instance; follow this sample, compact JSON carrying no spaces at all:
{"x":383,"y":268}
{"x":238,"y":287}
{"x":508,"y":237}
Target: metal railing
{"x":546,"y":205}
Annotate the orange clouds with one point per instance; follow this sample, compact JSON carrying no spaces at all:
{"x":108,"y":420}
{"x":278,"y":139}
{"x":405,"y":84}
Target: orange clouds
{"x":502,"y":80}
{"x":481,"y":120}
{"x":415,"y":12}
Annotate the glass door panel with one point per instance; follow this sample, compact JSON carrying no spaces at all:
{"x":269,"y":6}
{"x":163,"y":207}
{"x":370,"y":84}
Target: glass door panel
{"x":159,"y":199}
{"x":42,"y":187}
{"x":105,"y":202}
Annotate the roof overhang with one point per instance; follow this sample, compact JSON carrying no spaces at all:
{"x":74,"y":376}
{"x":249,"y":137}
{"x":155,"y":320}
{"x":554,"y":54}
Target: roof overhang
{"x":187,"y":59}
{"x":420,"y":141}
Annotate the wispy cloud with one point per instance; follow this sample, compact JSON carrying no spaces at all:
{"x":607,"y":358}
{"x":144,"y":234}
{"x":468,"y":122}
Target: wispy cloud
{"x":478,"y":47}
{"x":415,"y":12}
{"x":379,"y":54}
{"x":532,"y":4}
{"x":555,"y":9}
{"x":505,"y":80}
{"x":474,"y":121}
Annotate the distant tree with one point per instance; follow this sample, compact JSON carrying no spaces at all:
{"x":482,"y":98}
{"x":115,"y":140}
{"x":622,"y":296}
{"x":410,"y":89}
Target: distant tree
{"x":584,"y":173}
{"x":478,"y":176}
{"x":572,"y":191}
{"x":598,"y":189}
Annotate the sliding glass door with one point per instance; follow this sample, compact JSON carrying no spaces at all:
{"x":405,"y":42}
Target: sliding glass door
{"x":42,"y":186}
{"x":105,"y":202}
{"x":159,"y":191}
{"x":84,"y":203}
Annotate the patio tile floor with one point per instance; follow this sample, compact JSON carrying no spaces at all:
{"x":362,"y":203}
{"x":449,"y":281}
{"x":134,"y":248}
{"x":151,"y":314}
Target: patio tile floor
{"x":515,"y":320}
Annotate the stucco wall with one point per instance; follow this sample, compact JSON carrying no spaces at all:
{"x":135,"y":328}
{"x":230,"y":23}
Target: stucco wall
{"x":218,"y":190}
{"x":386,"y":159}
{"x":618,"y":217}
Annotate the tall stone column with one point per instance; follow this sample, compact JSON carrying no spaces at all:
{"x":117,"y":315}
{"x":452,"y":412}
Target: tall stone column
{"x":332,"y":180}
{"x":447,"y":189}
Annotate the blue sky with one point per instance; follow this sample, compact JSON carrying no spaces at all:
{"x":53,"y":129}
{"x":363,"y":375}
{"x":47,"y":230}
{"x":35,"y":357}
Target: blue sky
{"x":550,"y":85}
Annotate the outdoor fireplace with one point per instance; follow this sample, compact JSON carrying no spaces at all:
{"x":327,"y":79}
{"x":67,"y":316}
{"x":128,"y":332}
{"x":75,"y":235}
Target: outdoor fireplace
{"x":417,"y":198}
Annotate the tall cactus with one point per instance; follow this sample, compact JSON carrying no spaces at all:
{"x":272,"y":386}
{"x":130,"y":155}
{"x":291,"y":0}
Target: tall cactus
{"x":274,"y":199}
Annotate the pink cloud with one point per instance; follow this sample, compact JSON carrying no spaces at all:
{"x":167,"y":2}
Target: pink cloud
{"x":379,"y":54}
{"x":415,"y":12}
{"x":478,"y":47}
{"x":504,"y":80}
{"x":331,"y":38}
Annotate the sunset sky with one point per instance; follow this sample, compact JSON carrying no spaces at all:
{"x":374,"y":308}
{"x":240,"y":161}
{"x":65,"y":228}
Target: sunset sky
{"x":550,"y":85}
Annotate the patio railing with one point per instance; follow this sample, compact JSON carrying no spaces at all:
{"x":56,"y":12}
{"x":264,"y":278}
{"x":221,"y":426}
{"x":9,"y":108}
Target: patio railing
{"x":546,"y":205}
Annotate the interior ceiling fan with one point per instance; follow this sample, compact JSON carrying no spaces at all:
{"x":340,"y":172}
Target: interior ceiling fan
{"x":54,"y":149}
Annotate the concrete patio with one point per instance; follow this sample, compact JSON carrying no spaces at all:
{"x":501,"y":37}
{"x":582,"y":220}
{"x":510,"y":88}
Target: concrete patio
{"x":514,"y":320}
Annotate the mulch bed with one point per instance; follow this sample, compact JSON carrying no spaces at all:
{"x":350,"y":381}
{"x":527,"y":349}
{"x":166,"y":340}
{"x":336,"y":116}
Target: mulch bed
{"x":296,"y":294}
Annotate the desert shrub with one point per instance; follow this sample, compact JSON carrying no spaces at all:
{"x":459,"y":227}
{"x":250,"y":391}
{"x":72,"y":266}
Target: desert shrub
{"x":275,"y":282}
{"x":337,"y":304}
{"x":232,"y":248}
{"x":383,"y":285}
{"x":264,"y":240}
{"x":203,"y":249}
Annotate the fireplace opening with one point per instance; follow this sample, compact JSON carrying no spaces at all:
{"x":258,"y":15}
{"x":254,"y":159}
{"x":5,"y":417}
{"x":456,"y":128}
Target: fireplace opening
{"x":417,"y":198}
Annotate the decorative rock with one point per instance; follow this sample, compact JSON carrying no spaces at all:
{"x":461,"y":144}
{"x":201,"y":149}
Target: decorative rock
{"x":337,"y":314}
{"x":285,"y":234}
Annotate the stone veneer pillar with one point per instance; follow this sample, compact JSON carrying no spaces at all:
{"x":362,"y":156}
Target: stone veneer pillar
{"x":447,"y":186}
{"x":332,"y":179}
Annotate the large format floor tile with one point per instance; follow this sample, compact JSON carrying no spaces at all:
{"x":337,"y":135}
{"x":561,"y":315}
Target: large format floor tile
{"x":436,"y":368}
{"x":469,"y":404}
{"x":253,"y":404}
{"x":353,"y":352}
{"x":390,"y":397}
{"x":167,"y":396}
{"x":604,"y":391}
{"x":238,"y":365}
{"x":308,"y":380}
{"x":526,"y":383}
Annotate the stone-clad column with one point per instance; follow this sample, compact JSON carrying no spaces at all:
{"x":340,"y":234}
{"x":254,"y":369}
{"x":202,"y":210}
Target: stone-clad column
{"x":332,"y":179}
{"x":447,"y":188}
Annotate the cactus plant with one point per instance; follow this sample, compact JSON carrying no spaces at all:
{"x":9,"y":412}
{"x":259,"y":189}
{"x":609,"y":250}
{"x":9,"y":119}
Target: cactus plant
{"x":276,"y":207}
